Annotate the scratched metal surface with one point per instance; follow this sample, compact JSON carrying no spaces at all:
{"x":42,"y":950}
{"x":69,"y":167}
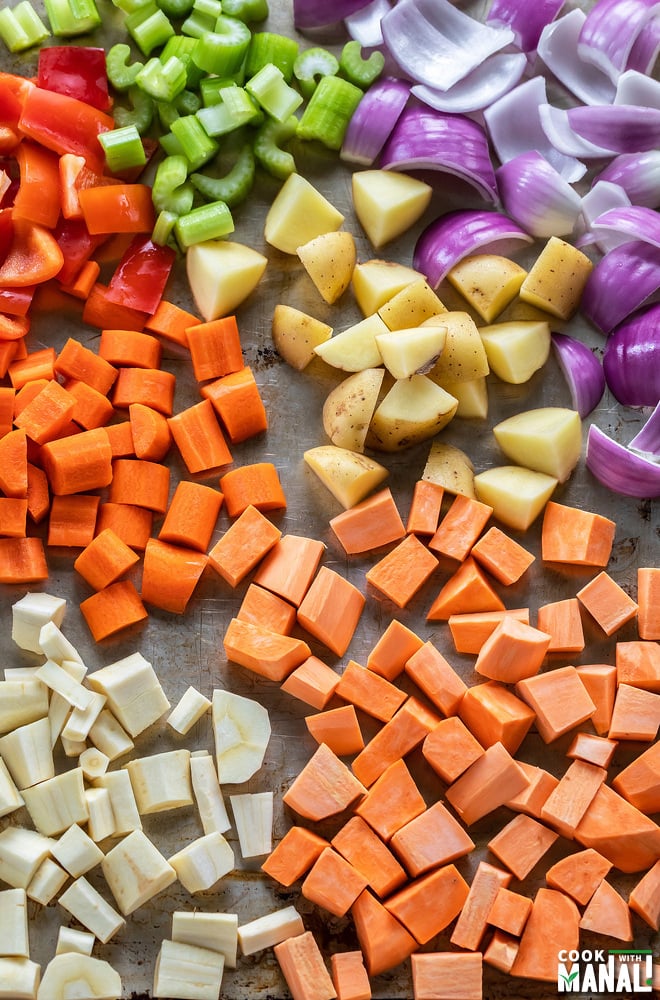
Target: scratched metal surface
{"x":188,"y":650}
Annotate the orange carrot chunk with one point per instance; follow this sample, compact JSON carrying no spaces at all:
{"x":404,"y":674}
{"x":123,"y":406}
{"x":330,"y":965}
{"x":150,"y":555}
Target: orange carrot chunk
{"x":350,"y":976}
{"x":370,"y":524}
{"x":130,"y":349}
{"x":510,"y":911}
{"x":113,"y":609}
{"x":574,"y":536}
{"x":101,"y":312}
{"x":553,"y":926}
{"x":199,"y":438}
{"x":121,"y":439}
{"x":150,"y":432}
{"x":570,"y":800}
{"x":364,"y":849}
{"x":92,"y":408}
{"x":504,"y":558}
{"x":402,"y":733}
{"x":521,"y":844}
{"x":261,"y":607}
{"x":171,"y":322}
{"x":394,"y":648}
{"x":22,"y":560}
{"x":338,"y":728}
{"x":237,"y":401}
{"x":140,"y":483}
{"x":72,"y":520}
{"x":47,"y":414}
{"x":313,"y":682}
{"x":562,"y":621}
{"x":619,"y":831}
{"x":608,"y":913}
{"x":170,"y":574}
{"x":191,"y":516}
{"x":494,"y":714}
{"x":638,"y":664}
{"x":331,"y":609}
{"x":559,"y":699}
{"x":151,"y":386}
{"x":38,"y":496}
{"x":257,"y":485}
{"x":487,"y":784}
{"x":607,"y":602}
{"x":366,"y":690}
{"x":450,"y":748}
{"x":303,"y":968}
{"x":13,"y":464}
{"x":245,"y":542}
{"x":424,"y":511}
{"x":466,"y":590}
{"x":35,"y":365}
{"x":263,"y":651}
{"x":460,"y":527}
{"x":452,"y":977}
{"x":105,"y":559}
{"x":427,"y":905}
{"x":215,"y":348}
{"x":130,"y":523}
{"x":648,"y":597}
{"x":384,"y":942}
{"x":436,"y":678}
{"x":579,"y":874}
{"x":392,"y":801}
{"x":433,"y":838}
{"x":79,"y":362}
{"x":294,"y":855}
{"x":324,"y":787}
{"x":13,"y":517}
{"x":512,"y":652}
{"x":78,"y":464}
{"x":401,"y":573}
{"x":290,"y":566}
{"x":473,"y":918}
{"x":333,"y":883}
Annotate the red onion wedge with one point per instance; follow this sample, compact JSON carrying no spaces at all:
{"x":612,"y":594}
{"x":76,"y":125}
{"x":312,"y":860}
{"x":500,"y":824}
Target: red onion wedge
{"x":638,"y":174}
{"x":534,"y":194}
{"x":619,"y":468}
{"x":637,"y":88}
{"x":527,"y":20}
{"x":424,"y":139}
{"x":617,"y":128}
{"x":647,"y":440}
{"x":373,"y":120}
{"x":364,"y":26}
{"x":485,"y":84}
{"x":631,"y":362}
{"x":603,"y":196}
{"x":621,"y":225}
{"x":620,"y":283}
{"x":437,"y":44}
{"x":454,"y":235}
{"x":558,"y":49}
{"x":559,"y":131}
{"x":317,"y":13}
{"x":582,"y":370}
{"x":609,"y":33}
{"x":646,"y":49}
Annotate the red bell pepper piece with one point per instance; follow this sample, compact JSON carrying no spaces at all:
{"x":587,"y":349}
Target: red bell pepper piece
{"x":141,"y":275}
{"x":65,"y":124}
{"x":33,"y":256}
{"x":13,"y":327}
{"x":77,"y":71}
{"x":16,"y":301}
{"x":6,"y":232}
{"x":12,"y":93}
{"x":77,"y":245}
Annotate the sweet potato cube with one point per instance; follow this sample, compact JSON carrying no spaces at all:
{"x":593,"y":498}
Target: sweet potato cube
{"x":607,"y":603}
{"x":503,"y":557}
{"x":333,"y":883}
{"x":494,"y":714}
{"x":559,"y":699}
{"x":433,"y":838}
{"x":338,"y":728}
{"x":510,"y":911}
{"x":552,"y":925}
{"x":638,"y":664}
{"x":473,"y":919}
{"x":313,"y":682}
{"x":579,"y":874}
{"x":450,"y":748}
{"x":384,"y":942}
{"x":369,"y":692}
{"x":331,"y":609}
{"x":436,"y":678}
{"x":608,"y":913}
{"x":574,"y":536}
{"x":395,"y":646}
{"x":501,"y":951}
{"x":636,"y":714}
{"x":488,"y":783}
{"x":447,"y":976}
{"x":392,"y":801}
{"x":619,"y":831}
{"x":427,"y":905}
{"x":294,"y":855}
{"x":512,"y":652}
{"x":600,"y":680}
{"x":521,"y":844}
{"x":363,"y":848}
{"x":350,"y":976}
{"x":532,"y":798}
{"x":568,"y":803}
{"x":324,"y":787}
{"x":562,"y":621}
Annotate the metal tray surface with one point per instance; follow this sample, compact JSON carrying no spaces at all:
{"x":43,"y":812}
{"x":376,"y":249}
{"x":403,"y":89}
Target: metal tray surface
{"x":188,"y":650}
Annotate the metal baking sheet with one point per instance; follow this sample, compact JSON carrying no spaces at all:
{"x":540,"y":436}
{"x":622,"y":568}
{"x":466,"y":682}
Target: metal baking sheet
{"x":188,"y":650}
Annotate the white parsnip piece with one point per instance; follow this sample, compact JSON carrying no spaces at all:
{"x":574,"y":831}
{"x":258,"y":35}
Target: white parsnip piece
{"x":241,"y":729}
{"x":28,"y":754}
{"x":19,"y":979}
{"x":47,"y":882}
{"x":216,"y":931}
{"x":21,"y":702}
{"x":253,"y":816}
{"x":76,"y":851}
{"x":269,"y":929}
{"x":10,"y":797}
{"x":59,"y":710}
{"x":55,"y":645}
{"x":135,"y":871}
{"x":58,"y":679}
{"x":101,"y":820}
{"x":14,"y":923}
{"x":71,"y":975}
{"x":88,"y":906}
{"x":134,"y":693}
{"x":161,"y":781}
{"x":30,"y":614}
{"x":187,"y":972}
{"x":80,"y":721}
{"x":204,"y":862}
{"x":21,"y":853}
{"x":55,"y":804}
{"x":189,"y":710}
{"x":208,"y":794}
{"x":122,"y":799}
{"x":71,"y":940}
{"x":108,"y":735}
{"x":93,"y":763}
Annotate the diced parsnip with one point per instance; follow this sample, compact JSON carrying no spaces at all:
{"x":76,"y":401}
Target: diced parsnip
{"x":80,"y":721}
{"x":59,"y":680}
{"x":71,"y":975}
{"x":22,"y":701}
{"x":108,"y":735}
{"x":413,"y":305}
{"x":355,"y":348}
{"x":72,"y":748}
{"x":14,"y":923}
{"x":122,"y":800}
{"x":189,"y":710}
{"x":135,"y":871}
{"x":241,"y":731}
{"x":349,"y":407}
{"x":28,"y":754}
{"x":71,"y":940}
{"x":89,"y":908}
{"x":349,"y":475}
{"x":517,"y":495}
{"x":411,"y":351}
{"x":10,"y":797}
{"x":208,"y":794}
{"x":547,"y":439}
{"x":216,"y":931}
{"x":517,"y":349}
{"x":489,"y":282}
{"x":20,"y":673}
{"x":134,"y":693}
{"x":253,"y":816}
{"x":329,"y":260}
{"x":55,"y":645}
{"x":161,"y":781}
{"x":76,"y":851}
{"x":57,"y":802}
{"x":93,"y":763}
{"x":387,"y":203}
{"x":472,"y":396}
{"x":47,"y":882}
{"x":557,"y":278}
{"x":101,"y":821}
{"x":59,"y":710}
{"x":414,"y":410}
{"x":375,"y":281}
{"x":297,"y":214}
{"x":19,"y":979}
{"x":221,"y":274}
{"x":204,"y":862}
{"x":187,"y":972}
{"x":22,"y":851}
{"x":296,"y":334}
{"x":30,"y":613}
{"x":269,"y":930}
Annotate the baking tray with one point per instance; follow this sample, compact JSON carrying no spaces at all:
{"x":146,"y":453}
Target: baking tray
{"x":188,"y":649}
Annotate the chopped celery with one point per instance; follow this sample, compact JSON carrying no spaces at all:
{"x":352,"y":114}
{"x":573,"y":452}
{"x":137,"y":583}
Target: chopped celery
{"x":123,"y":148}
{"x":183,"y":47}
{"x":69,"y":18}
{"x":329,"y":111}
{"x":234,"y":186}
{"x":267,"y":147}
{"x":129,"y":6}
{"x":171,"y":191}
{"x":162,"y":80}
{"x":223,"y":50}
{"x":313,"y":63}
{"x":359,"y":71}
{"x":268,"y":47}
{"x":196,"y":145}
{"x":211,"y":89}
{"x":208,"y":222}
{"x":176,"y":8}
{"x":21,"y":28}
{"x":187,"y":102}
{"x":149,"y":28}
{"x":246,"y":10}
{"x":163,"y":227}
{"x":273,"y":93}
{"x":233,"y":110}
{"x":197,"y":24}
{"x":140,"y":114}
{"x":120,"y":74}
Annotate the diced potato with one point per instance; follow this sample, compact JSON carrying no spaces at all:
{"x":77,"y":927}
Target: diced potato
{"x":450,"y":468}
{"x":556,"y":280}
{"x":354,"y":349}
{"x":413,"y":410}
{"x":548,"y":439}
{"x":472,"y":397}
{"x":299,"y":213}
{"x":464,"y":355}
{"x":516,"y":494}
{"x":488,"y":282}
{"x":349,"y":476}
{"x":329,"y":260}
{"x":413,"y":351}
{"x":376,"y":281}
{"x":411,"y":306}
{"x":387,"y":203}
{"x":221,"y":275}
{"x":295,"y":335}
{"x":349,"y":407}
{"x":516,"y":350}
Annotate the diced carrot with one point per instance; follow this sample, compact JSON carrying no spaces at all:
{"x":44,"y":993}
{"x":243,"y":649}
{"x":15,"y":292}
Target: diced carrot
{"x":395,"y":646}
{"x":373,"y":694}
{"x":290,"y":566}
{"x":38,"y":495}
{"x":436,"y":678}
{"x":370,"y":524}
{"x":425,"y":507}
{"x":215,"y":348}
{"x":600,"y":680}
{"x":384,"y":942}
{"x":504,"y":558}
{"x":171,"y":323}
{"x":594,"y":749}
{"x":427,"y":905}
{"x":170,"y":574}
{"x":245,"y":542}
{"x":313,"y":682}
{"x":494,"y":714}
{"x":13,"y":464}
{"x":78,"y":463}
{"x":121,"y":439}
{"x":431,"y":839}
{"x":294,"y":855}
{"x":350,"y":976}
{"x":405,"y":730}
{"x":552,"y":926}
{"x":470,"y":631}
{"x":237,"y":401}
{"x":619,"y":831}
{"x":392,"y":801}
{"x":324,"y":787}
{"x":130,"y":523}
{"x":153,"y":387}
{"x":101,"y":312}
{"x":532,"y":799}
{"x":331,"y":609}
{"x":191,"y":516}
{"x":639,"y":782}
{"x":608,"y":913}
{"x":501,"y":951}
{"x":199,"y":438}
{"x":117,"y":208}
{"x":636,"y":714}
{"x":261,"y":607}
{"x":559,"y":699}
{"x":150,"y":432}
{"x":72,"y":520}
{"x":364,"y":849}
{"x":521,"y":844}
{"x":401,"y":573}
{"x":574,"y":536}
{"x":563,"y":623}
{"x":473,"y":918}
{"x":450,"y":748}
{"x":140,"y":483}
{"x":13,"y":517}
{"x":83,"y":282}
{"x":648,"y":598}
{"x":579,"y":874}
{"x":494,"y":778}
{"x":36,"y":365}
{"x":92,"y":408}
{"x":607,"y":602}
{"x":638,"y":664}
{"x":113,"y":609}
{"x":644,"y":897}
{"x":130,"y":349}
{"x":24,"y":396}
{"x":303,"y":968}
{"x":333,"y":883}
{"x":47,"y":413}
{"x":338,"y":728}
{"x":257,"y":485}
{"x":9,"y":352}
{"x":447,"y":975}
{"x":105,"y":559}
{"x":570,"y":800}
{"x":22,"y":560}
{"x":78,"y":362}
{"x":513,"y":651}
{"x":7,"y":401}
{"x":460,"y":527}
{"x":465,"y":591}
{"x":263,"y":651}
{"x":510,"y":911}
